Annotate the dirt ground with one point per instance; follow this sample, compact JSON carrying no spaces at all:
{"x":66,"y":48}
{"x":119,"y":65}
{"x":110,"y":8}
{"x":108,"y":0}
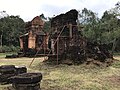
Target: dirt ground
{"x":73,"y":77}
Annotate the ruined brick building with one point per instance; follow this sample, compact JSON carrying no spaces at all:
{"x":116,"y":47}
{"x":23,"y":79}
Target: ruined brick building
{"x":35,"y":39}
{"x":66,"y":39}
{"x":68,"y":42}
{"x":64,"y":42}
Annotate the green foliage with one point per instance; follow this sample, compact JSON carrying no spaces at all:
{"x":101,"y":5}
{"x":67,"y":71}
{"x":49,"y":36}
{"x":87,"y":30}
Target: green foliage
{"x":46,"y":27}
{"x":105,"y":30}
{"x":116,"y":65}
{"x":11,"y":48}
{"x":90,"y":21}
{"x":10,"y":29}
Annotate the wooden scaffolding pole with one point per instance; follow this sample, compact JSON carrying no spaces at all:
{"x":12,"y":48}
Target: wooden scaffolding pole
{"x":36,"y":54}
{"x":70,"y":30}
{"x":57,"y":50}
{"x":57,"y":39}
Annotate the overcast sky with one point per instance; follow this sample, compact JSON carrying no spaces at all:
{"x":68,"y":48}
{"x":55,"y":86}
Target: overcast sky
{"x":27,"y":9}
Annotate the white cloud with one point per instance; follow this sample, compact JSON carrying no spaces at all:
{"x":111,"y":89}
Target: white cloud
{"x":28,"y":9}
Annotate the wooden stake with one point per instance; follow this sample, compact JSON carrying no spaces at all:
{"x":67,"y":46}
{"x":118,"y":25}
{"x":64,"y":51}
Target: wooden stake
{"x":70,"y":25}
{"x":57,"y":49}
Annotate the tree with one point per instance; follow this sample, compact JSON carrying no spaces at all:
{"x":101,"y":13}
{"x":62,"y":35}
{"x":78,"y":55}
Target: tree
{"x":89,"y":20}
{"x":110,"y":25}
{"x":10,"y":30}
{"x":47,"y":25}
{"x":105,"y":30}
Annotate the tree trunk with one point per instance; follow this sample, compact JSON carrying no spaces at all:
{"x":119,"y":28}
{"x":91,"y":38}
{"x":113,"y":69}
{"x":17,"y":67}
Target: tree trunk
{"x":114,"y":45}
{"x":1,"y":40}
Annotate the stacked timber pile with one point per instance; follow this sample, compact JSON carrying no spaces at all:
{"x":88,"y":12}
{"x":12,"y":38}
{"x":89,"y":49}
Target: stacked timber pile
{"x":68,"y":43}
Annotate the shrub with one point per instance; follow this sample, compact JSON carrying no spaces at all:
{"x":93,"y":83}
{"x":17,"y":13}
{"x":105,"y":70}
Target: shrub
{"x":11,"y":48}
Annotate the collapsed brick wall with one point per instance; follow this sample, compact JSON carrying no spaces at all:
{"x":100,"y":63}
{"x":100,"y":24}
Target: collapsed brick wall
{"x":72,"y":45}
{"x":64,"y":19}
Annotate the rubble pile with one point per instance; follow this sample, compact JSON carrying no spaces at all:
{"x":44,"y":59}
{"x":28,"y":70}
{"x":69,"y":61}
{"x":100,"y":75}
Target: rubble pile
{"x":98,"y":51}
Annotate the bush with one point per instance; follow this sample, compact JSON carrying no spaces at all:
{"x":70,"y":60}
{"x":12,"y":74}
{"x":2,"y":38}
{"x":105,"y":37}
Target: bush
{"x":11,"y":48}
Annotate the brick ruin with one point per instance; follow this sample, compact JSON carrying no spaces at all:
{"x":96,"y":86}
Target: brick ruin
{"x":64,"y":43}
{"x":35,"y":39}
{"x":69,"y":45}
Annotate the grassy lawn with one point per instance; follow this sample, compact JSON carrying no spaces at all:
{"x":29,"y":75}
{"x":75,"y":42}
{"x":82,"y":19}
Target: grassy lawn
{"x":64,"y":77}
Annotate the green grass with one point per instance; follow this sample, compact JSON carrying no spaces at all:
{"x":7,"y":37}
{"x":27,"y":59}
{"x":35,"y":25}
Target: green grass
{"x":64,"y":77}
{"x":116,"y":54}
{"x":3,"y":55}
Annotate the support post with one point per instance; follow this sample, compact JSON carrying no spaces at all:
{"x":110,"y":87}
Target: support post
{"x":44,"y":48}
{"x":70,"y":28}
{"x":57,"y":49}
{"x":1,"y":40}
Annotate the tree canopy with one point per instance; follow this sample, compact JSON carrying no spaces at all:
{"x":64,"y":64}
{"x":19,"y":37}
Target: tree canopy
{"x":10,"y":29}
{"x":105,"y":30}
